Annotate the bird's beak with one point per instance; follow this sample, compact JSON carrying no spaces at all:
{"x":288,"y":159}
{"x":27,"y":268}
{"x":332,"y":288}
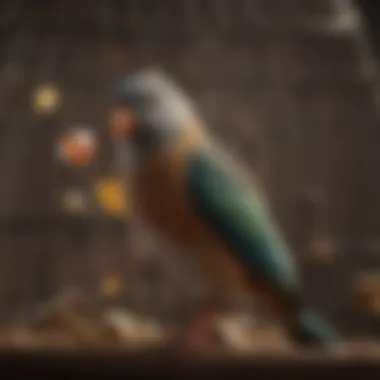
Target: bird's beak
{"x":121,"y":122}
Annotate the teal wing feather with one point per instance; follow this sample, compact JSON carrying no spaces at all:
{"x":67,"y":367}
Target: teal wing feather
{"x":237,"y":215}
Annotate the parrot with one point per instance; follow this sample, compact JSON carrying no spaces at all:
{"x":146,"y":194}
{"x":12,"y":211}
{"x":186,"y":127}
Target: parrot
{"x":193,"y":192}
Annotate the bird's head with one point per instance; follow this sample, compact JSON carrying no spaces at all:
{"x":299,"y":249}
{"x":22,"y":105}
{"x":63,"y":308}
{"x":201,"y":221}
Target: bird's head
{"x":149,"y":112}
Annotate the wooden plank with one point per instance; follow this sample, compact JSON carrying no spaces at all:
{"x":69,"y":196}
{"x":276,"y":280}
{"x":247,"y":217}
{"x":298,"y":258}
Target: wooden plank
{"x":168,"y":363}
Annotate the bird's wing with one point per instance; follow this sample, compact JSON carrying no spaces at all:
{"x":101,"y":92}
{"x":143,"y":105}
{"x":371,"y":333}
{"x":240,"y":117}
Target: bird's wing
{"x":237,"y":215}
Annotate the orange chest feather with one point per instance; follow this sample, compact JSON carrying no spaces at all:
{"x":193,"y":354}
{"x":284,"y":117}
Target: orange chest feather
{"x":164,"y":206}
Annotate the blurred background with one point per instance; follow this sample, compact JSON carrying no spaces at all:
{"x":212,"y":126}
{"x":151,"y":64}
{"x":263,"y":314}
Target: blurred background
{"x":291,"y":85}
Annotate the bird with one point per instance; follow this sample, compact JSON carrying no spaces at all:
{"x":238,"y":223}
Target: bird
{"x":190,"y":189}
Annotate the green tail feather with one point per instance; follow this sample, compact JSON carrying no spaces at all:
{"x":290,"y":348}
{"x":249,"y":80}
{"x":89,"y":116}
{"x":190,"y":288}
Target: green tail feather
{"x":310,"y":328}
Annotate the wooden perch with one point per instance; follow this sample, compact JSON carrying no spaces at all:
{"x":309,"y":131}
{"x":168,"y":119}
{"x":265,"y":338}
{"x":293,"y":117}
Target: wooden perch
{"x":124,"y":364}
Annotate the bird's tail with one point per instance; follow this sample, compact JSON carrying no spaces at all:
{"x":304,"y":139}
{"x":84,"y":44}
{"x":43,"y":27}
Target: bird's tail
{"x":310,"y":328}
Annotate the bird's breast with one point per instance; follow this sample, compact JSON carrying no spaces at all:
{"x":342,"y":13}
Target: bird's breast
{"x":164,"y":205}
{"x":162,"y":201}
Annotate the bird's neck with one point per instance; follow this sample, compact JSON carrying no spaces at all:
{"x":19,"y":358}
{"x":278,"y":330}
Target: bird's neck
{"x":174,"y":150}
